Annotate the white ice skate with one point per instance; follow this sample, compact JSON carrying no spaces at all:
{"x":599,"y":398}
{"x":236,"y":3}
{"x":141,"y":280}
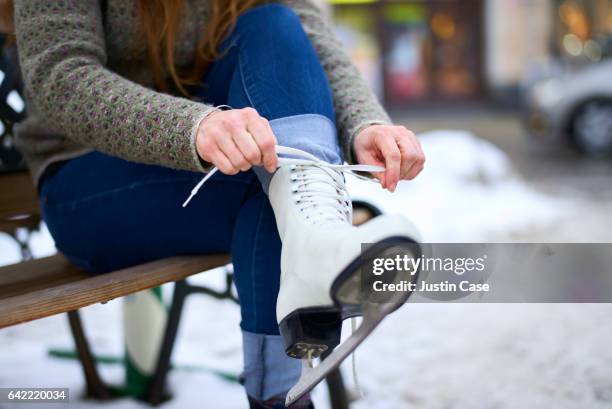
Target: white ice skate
{"x":321,"y":260}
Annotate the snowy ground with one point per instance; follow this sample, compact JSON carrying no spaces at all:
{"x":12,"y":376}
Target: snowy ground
{"x":424,"y":356}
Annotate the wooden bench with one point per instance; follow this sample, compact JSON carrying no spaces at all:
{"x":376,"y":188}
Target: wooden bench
{"x":47,"y":286}
{"x":38,"y":288}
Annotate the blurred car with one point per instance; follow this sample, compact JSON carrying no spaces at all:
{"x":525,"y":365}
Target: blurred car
{"x":574,"y":107}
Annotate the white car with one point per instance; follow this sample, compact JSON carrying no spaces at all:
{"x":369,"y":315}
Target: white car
{"x":574,"y":107}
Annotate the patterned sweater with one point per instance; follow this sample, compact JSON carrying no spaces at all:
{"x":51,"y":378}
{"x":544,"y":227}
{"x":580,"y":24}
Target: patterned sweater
{"x":88,"y":86}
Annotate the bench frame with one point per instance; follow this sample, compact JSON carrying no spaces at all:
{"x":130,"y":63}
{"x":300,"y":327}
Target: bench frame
{"x":156,"y":393}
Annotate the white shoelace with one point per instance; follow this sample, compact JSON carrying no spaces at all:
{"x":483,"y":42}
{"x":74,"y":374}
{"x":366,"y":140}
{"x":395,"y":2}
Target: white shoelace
{"x":308,"y":175}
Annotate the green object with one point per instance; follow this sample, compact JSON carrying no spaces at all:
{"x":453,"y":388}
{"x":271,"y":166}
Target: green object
{"x":405,"y":13}
{"x":115,"y":360}
{"x":136,"y":381}
{"x":144,"y":323}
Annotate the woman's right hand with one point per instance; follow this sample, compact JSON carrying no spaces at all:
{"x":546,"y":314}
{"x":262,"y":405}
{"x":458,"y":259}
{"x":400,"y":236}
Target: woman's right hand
{"x":236,"y":140}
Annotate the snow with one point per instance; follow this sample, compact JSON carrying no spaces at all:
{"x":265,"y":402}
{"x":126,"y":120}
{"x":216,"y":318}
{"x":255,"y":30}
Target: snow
{"x":468,"y":356}
{"x":479,"y":356}
{"x":468,"y":192}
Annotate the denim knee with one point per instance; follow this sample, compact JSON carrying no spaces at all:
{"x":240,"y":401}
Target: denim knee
{"x":273,"y":22}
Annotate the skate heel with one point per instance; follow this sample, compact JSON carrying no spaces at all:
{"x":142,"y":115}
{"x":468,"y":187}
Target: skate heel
{"x":309,"y":332}
{"x":352,"y":288}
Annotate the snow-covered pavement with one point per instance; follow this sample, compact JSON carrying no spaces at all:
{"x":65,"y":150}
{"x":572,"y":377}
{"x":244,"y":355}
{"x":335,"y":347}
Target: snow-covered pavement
{"x":425,"y":356}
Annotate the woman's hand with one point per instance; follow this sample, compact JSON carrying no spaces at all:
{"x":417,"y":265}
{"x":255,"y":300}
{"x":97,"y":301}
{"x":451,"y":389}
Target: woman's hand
{"x":235,"y":140}
{"x":394,"y":147}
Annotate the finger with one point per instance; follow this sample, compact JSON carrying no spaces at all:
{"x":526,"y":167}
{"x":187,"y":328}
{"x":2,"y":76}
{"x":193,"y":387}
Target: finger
{"x":415,"y":168}
{"x":390,"y":151}
{"x":223,"y":163}
{"x":417,"y":145}
{"x":414,"y":171}
{"x":419,"y":162}
{"x":266,"y":141}
{"x":406,"y":150}
{"x":229,"y":149}
{"x":380,"y":176}
{"x":371,"y":160}
{"x":410,"y":156}
{"x":374,"y":157}
{"x":247,"y":146}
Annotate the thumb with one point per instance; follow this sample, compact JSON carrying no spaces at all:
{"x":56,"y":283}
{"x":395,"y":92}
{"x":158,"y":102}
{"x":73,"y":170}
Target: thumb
{"x":380,"y":176}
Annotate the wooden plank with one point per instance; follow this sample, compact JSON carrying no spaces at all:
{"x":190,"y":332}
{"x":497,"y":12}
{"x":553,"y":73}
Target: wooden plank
{"x":38,"y":274}
{"x":84,"y":290}
{"x":18,"y":195}
{"x":38,"y":269}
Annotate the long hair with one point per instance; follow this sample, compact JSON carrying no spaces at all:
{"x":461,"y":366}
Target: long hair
{"x":159,"y":22}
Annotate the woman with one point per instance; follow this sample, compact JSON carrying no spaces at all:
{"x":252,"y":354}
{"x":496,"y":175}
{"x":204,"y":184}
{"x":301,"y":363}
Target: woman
{"x":124,"y":118}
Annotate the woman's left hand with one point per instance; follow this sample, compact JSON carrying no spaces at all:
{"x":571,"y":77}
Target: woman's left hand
{"x":395,"y":148}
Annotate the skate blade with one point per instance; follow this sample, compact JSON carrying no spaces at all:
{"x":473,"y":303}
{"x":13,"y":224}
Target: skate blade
{"x":373,"y":314}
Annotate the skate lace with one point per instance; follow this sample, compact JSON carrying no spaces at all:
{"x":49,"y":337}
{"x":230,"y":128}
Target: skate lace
{"x":311,"y":178}
{"x":318,"y":187}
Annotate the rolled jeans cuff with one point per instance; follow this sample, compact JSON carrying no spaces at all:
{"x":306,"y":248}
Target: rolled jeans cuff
{"x":312,"y":133}
{"x":268,"y":371}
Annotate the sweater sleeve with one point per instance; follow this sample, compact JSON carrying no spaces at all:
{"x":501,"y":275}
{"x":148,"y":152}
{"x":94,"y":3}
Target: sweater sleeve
{"x":355,"y":104}
{"x":62,"y":55}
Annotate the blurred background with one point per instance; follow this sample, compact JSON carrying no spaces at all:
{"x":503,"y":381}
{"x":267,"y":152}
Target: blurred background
{"x":444,"y":51}
{"x":532,"y":77}
{"x":512,"y":101}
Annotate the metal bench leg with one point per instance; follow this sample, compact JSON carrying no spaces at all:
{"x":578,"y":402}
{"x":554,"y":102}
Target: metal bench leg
{"x":158,"y":383}
{"x":96,"y":388}
{"x":156,"y":394}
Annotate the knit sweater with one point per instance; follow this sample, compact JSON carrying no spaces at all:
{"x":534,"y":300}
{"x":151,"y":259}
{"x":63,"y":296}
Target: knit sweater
{"x":88,"y":86}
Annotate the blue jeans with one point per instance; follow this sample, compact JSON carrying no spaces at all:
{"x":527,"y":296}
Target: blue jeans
{"x":106,"y":213}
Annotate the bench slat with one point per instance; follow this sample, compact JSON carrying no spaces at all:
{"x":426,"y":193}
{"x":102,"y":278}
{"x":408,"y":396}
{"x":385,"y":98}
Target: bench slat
{"x":49,"y":286}
{"x":40,"y":269}
{"x":38,"y":274}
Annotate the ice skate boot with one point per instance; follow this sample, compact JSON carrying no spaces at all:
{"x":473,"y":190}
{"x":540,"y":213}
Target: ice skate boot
{"x":321,"y":260}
